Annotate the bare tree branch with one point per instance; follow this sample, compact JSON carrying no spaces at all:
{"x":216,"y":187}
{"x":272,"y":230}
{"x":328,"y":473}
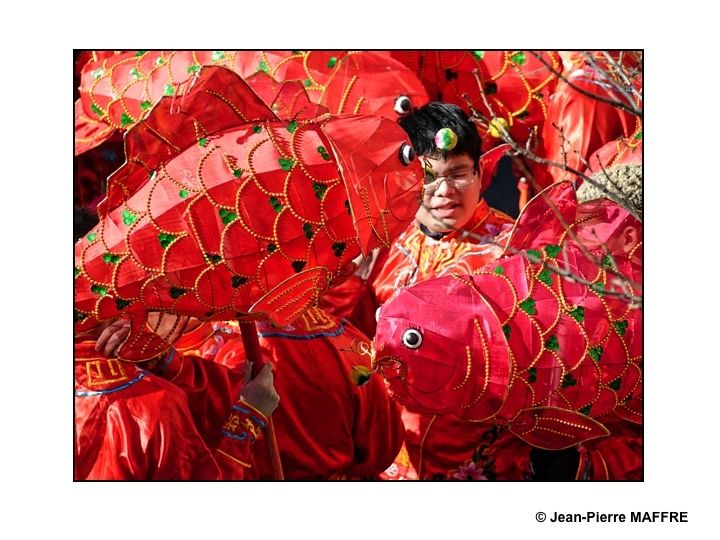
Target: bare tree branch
{"x":615,"y":103}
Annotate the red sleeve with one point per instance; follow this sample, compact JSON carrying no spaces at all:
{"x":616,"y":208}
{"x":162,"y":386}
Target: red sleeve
{"x":144,"y":433}
{"x":243,"y":427}
{"x":211,"y":389}
{"x":378,"y":431}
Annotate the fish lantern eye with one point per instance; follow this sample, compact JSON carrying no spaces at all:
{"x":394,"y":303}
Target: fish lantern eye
{"x":412,"y":338}
{"x":407,"y":154}
{"x":402,"y":105}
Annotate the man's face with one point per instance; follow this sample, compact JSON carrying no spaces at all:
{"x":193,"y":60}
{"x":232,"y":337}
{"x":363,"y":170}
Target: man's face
{"x":452,"y":192}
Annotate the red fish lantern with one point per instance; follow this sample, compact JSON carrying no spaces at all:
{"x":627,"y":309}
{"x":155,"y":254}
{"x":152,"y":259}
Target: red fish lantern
{"x":223,"y":210}
{"x":519,"y":345}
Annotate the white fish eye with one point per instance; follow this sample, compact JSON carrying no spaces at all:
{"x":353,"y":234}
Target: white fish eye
{"x":407,"y":154}
{"x":402,"y":105}
{"x":412,"y":338}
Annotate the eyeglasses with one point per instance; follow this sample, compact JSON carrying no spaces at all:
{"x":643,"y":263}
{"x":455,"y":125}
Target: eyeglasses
{"x":459,"y":179}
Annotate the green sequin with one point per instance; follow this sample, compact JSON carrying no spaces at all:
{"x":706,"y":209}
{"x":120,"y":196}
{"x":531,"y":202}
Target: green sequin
{"x":166,"y":239}
{"x":111,"y":258}
{"x":145,"y":105}
{"x":214,"y":258}
{"x":272,"y":248}
{"x":217,"y":56}
{"x":552,"y":250}
{"x":276,"y":204}
{"x":585,"y":410}
{"x":615,"y":385}
{"x":506,"y":331}
{"x":319,"y":190}
{"x":100,"y":290}
{"x":169,"y":90}
{"x":126,"y":120}
{"x":98,"y":73}
{"x":528,"y":306}
{"x":292,"y":126}
{"x":227,"y":216}
{"x":159,"y":61}
{"x":546,"y":277}
{"x":568,"y":380}
{"x":128,"y":217}
{"x":140,"y":53}
{"x":135,"y":74}
{"x":193,"y":68}
{"x":257,"y":129}
{"x":522,"y":114}
{"x":578,"y":314}
{"x":532,"y":375}
{"x":91,"y":237}
{"x":607,"y":261}
{"x":620,"y":327}
{"x":552,"y":344}
{"x":478,"y":54}
{"x":236,"y":281}
{"x":77,"y":271}
{"x":338,"y":248}
{"x":97,"y":110}
{"x":177,"y":292}
{"x":332,"y":62}
{"x":237,"y":173}
{"x":307,"y":228}
{"x":596,"y":352}
{"x":79,"y":316}
{"x":298,"y":265}
{"x":639,"y":136}
{"x":307,"y":82}
{"x":263,"y":66}
{"x":534,"y":255}
{"x":598,"y":288}
{"x":286,"y":163}
{"x":121,"y":303}
{"x":499,"y":270}
{"x":183,"y":194}
{"x":202,"y":141}
{"x":518,"y":58}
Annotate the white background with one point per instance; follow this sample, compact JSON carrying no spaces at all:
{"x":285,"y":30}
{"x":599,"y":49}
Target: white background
{"x":681,"y":300}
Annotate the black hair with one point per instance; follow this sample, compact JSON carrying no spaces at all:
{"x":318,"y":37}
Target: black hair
{"x":422,"y":124}
{"x":84,"y":220}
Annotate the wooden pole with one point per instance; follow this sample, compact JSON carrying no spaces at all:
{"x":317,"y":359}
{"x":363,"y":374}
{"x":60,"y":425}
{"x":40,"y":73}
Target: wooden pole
{"x":248,"y":331}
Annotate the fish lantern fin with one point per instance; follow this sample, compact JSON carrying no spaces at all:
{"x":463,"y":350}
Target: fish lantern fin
{"x":551,"y":428}
{"x":284,"y":302}
{"x":628,"y":414}
{"x":142,"y":343}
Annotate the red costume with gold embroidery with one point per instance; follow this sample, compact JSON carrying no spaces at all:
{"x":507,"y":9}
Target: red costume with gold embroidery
{"x":326,"y":426}
{"x":433,"y":444}
{"x":131,"y":424}
{"x":555,"y":361}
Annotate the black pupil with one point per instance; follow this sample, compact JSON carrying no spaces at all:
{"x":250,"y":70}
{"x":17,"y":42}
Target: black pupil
{"x":404,"y":104}
{"x":411,"y":338}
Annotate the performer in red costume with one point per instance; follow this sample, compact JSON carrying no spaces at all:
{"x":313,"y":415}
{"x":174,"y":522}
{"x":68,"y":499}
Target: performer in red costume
{"x":326,"y":426}
{"x":434,"y":245}
{"x":131,"y":424}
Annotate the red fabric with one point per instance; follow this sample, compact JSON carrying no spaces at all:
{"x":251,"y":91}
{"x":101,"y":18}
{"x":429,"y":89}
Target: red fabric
{"x":448,"y":442}
{"x":326,"y":426}
{"x":132,"y":425}
{"x":567,"y":357}
{"x":585,"y":122}
{"x":516,"y":84}
{"x":272,"y":212}
{"x":416,"y":257}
